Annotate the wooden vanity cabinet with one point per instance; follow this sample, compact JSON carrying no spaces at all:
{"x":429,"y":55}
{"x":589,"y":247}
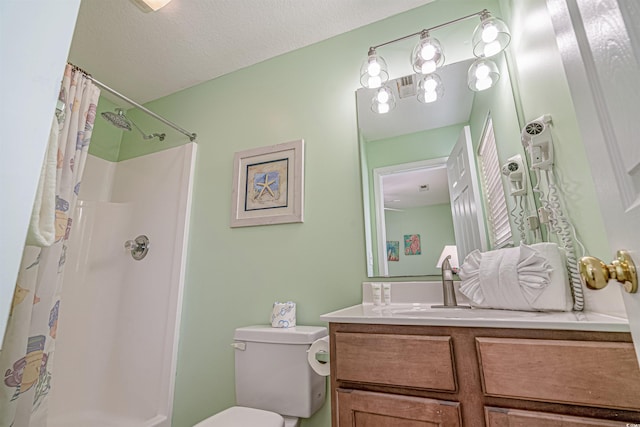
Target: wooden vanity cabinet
{"x":406,"y":376}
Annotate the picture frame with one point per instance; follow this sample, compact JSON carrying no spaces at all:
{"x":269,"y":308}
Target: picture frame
{"x":268,"y":185}
{"x":393,"y":250}
{"x":412,"y":245}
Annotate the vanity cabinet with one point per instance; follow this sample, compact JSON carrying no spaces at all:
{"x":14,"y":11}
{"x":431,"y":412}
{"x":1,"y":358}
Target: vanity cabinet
{"x":405,"y":376}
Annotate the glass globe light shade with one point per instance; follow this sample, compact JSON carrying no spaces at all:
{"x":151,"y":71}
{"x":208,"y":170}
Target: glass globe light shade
{"x":383,"y":101}
{"x":430,"y":88}
{"x":490,"y":37}
{"x":373,"y":73}
{"x":427,"y":55}
{"x":483,"y":74}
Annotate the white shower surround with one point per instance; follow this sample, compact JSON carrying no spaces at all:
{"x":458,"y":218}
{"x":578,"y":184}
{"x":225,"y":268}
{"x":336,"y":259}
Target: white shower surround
{"x":115,"y":360}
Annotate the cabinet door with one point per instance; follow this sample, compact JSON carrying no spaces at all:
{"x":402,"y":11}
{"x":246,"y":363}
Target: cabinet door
{"x":427,"y":361}
{"x":368,"y":409}
{"x":602,"y":374}
{"x":501,"y":417}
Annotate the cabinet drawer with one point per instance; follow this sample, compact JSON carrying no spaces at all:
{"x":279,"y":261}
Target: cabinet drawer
{"x":368,"y":409}
{"x":602,"y":374}
{"x":501,"y":417}
{"x":424,"y":362}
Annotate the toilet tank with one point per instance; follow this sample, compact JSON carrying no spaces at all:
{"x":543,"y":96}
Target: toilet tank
{"x":272,"y":371}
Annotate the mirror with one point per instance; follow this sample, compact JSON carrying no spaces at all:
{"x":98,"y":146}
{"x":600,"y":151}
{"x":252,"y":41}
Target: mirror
{"x":403,"y":155}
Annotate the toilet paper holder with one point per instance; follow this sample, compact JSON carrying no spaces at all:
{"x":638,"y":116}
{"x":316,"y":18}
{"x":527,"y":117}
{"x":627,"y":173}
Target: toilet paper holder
{"x":318,"y":356}
{"x":322,"y":356}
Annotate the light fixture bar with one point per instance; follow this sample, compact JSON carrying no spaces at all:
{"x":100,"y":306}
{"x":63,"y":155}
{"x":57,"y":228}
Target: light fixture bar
{"x":444,"y":24}
{"x":489,"y":38}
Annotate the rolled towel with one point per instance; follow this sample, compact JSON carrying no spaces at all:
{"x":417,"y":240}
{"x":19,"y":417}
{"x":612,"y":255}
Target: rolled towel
{"x":557,"y":296}
{"x":528,"y":278}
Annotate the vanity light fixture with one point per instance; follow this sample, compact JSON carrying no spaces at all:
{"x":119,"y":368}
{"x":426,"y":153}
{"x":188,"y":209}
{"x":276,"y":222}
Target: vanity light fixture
{"x":489,"y":38}
{"x":383,"y":101}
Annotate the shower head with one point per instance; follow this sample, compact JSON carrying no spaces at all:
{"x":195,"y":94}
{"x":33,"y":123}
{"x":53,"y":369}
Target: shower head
{"x":118,"y":119}
{"x":121,"y":121}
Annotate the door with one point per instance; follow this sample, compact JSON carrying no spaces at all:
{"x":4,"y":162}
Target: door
{"x":464,"y":191}
{"x":401,"y":182}
{"x":600,"y":46}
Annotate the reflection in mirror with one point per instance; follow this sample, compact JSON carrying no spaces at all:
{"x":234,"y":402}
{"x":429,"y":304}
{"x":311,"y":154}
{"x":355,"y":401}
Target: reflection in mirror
{"x":403,"y":196}
{"x":417,"y":137}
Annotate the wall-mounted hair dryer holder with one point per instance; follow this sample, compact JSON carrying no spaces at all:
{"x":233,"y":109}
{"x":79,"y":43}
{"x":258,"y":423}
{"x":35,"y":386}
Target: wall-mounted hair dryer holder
{"x":538,"y":142}
{"x":514,"y":169}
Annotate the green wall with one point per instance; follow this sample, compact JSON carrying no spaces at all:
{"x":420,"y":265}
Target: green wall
{"x":434,"y":224}
{"x":234,"y":275}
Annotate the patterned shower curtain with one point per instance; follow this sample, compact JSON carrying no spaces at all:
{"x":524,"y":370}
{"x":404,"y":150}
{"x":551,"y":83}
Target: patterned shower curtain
{"x":27,"y":354}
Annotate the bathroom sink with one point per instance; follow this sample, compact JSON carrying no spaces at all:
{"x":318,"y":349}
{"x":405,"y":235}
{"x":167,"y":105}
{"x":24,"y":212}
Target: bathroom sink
{"x":457,"y":313}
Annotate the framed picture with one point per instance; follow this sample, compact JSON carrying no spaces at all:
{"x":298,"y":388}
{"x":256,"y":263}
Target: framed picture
{"x":393,"y":250}
{"x":268,"y":185}
{"x":412,"y":244}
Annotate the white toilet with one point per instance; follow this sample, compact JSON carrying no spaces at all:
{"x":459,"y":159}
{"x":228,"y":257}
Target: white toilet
{"x":275,"y":385}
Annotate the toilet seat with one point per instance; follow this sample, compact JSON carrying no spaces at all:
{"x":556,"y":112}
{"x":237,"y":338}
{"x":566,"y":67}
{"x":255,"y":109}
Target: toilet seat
{"x":240,"y":416}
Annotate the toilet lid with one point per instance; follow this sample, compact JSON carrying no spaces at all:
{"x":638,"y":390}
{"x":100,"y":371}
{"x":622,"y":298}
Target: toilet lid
{"x":239,"y":416}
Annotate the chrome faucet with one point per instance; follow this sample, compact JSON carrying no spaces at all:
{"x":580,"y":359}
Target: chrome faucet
{"x":138,"y":247}
{"x":448,"y":293}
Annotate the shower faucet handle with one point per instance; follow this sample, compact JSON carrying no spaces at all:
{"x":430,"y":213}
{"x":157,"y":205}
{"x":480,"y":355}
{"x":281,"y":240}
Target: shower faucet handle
{"x":138,"y":247}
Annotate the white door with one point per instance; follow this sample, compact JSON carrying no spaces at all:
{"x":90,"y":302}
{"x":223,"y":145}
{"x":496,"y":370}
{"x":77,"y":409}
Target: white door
{"x":464,"y":191}
{"x":601,"y":55}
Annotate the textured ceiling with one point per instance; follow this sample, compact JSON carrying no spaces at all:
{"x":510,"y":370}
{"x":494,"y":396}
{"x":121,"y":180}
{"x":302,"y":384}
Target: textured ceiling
{"x":146,"y":56}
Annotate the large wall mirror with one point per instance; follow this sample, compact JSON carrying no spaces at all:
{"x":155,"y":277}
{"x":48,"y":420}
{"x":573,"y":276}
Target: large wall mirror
{"x":406,"y":187}
{"x":544,"y":78}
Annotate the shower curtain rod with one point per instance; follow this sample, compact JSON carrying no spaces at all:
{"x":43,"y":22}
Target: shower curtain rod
{"x":192,"y":136}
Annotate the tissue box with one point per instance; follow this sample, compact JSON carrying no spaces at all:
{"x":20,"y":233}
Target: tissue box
{"x":283,"y":314}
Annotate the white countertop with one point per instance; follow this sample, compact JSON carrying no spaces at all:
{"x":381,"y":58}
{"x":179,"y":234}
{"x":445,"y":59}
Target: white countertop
{"x":421,"y":314}
{"x":413,"y":301}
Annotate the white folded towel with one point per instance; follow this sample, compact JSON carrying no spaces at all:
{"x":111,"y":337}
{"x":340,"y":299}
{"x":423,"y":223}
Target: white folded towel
{"x":42,"y":230}
{"x":528,"y":278}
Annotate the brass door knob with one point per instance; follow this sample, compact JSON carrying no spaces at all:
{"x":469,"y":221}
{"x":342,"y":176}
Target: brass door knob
{"x":595,"y":274}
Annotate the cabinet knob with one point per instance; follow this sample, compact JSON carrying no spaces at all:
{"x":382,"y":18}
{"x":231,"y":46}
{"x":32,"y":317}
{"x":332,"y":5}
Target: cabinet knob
{"x":595,"y":274}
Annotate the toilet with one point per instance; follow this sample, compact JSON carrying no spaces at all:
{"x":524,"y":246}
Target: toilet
{"x":275,"y":385}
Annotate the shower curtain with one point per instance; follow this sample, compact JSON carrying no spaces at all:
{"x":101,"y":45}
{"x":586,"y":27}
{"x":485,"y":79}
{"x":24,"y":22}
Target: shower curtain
{"x":27,"y":354}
